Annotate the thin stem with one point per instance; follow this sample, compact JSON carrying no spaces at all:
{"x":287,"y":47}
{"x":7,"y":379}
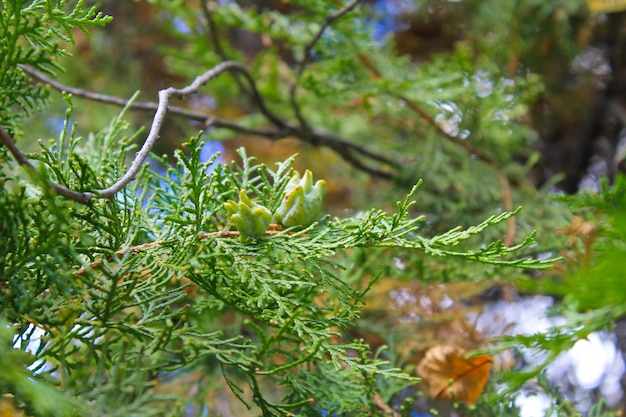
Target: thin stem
{"x":345,"y":148}
{"x":22,"y":160}
{"x":144,"y":246}
{"x":307,"y":55}
{"x":215,"y":40}
{"x":329,"y":21}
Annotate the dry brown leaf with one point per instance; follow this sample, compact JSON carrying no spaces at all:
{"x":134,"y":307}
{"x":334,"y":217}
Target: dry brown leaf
{"x":450,"y":376}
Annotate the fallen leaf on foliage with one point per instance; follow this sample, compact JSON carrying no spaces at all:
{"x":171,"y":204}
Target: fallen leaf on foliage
{"x":450,"y":376}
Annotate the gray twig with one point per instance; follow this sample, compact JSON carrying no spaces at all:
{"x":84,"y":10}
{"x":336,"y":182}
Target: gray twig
{"x":161,"y":111}
{"x":346,"y":149}
{"x":22,"y":160}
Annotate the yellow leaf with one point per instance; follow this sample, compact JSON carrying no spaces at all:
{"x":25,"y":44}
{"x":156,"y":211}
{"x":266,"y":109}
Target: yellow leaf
{"x":6,"y":407}
{"x":606,"y":6}
{"x":450,"y":376}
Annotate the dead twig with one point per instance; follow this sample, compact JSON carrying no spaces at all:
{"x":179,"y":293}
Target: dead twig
{"x":22,"y":160}
{"x":351,"y":152}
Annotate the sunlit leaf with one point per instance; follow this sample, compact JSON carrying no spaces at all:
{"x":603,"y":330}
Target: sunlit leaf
{"x":606,"y":6}
{"x":449,"y":375}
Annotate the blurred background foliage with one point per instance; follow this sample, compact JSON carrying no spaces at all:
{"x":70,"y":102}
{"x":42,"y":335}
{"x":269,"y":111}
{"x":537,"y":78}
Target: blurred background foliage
{"x":495,"y":104}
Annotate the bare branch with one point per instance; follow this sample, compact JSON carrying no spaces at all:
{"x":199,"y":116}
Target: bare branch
{"x":307,"y":55}
{"x":151,"y":106}
{"x":162,"y":108}
{"x":207,"y":119}
{"x":346,"y":149}
{"x":22,"y":160}
{"x":329,"y":21}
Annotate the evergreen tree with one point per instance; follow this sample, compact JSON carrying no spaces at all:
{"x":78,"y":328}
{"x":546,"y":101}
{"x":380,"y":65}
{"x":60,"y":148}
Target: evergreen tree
{"x":134,"y":284}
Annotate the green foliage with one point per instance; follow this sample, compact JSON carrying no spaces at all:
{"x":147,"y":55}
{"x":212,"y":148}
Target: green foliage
{"x":128,"y":288}
{"x":30,"y":34}
{"x":466,"y":112}
{"x":182,"y":282}
{"x":593,"y":292}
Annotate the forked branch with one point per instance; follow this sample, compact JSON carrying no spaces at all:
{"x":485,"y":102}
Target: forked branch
{"x":351,"y":152}
{"x":23,"y":160}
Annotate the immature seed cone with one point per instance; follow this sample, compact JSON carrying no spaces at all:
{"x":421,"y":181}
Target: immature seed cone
{"x":302,"y":204}
{"x":251,"y":219}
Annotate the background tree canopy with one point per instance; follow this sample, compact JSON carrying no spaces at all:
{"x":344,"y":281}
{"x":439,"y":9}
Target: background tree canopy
{"x":394,"y":207}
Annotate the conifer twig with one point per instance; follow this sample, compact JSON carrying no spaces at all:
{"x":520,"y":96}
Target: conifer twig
{"x":507,"y":196}
{"x":275,"y":229}
{"x":23,"y":160}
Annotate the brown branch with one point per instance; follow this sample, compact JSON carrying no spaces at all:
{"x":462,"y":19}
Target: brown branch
{"x":346,"y":149}
{"x":119,"y":255}
{"x":382,"y":405}
{"x":214,"y":39}
{"x":308,"y":48}
{"x":416,"y":108}
{"x":22,"y":160}
{"x":212,"y":27}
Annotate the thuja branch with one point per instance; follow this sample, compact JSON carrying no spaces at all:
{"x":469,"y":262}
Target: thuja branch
{"x":233,"y":234}
{"x":22,"y":160}
{"x":351,"y":152}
